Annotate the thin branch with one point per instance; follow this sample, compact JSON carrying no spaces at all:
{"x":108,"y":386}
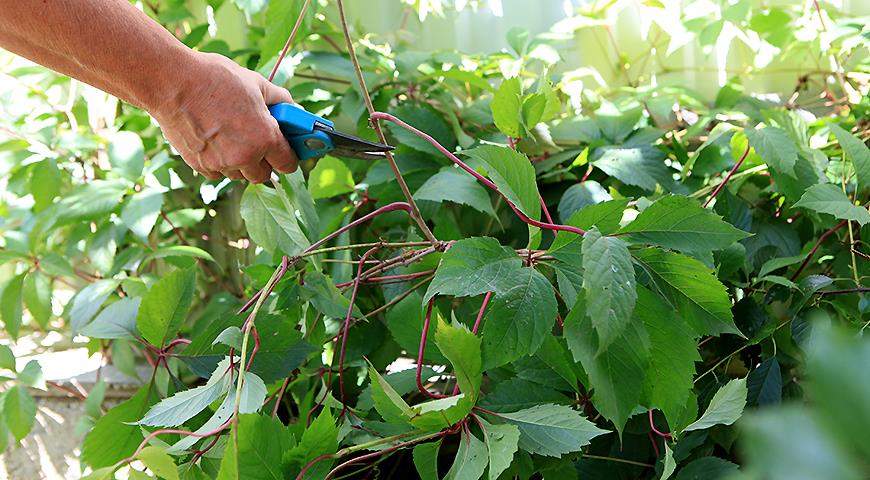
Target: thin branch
{"x":727,"y":177}
{"x":414,"y":211}
{"x":816,"y":247}
{"x":289,"y":41}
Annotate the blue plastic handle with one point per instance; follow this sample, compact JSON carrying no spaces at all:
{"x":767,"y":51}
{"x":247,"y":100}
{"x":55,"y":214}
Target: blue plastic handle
{"x":297,"y":125}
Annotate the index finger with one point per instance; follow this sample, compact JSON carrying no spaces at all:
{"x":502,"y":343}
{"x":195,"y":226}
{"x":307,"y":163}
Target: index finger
{"x":279,"y":155}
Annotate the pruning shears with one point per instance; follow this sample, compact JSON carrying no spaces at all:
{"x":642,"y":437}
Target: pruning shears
{"x":311,"y":136}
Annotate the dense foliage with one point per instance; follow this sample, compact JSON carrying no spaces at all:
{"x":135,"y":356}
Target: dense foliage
{"x":635,"y":281}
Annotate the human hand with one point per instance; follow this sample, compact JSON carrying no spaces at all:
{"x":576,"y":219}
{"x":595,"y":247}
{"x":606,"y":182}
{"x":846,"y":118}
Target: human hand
{"x":219,"y":122}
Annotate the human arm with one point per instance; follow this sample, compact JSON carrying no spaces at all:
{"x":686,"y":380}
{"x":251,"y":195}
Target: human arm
{"x":211,"y":110}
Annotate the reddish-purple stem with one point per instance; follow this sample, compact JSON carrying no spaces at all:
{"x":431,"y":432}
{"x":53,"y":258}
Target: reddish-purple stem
{"x":422,"y":350}
{"x":476,"y":326}
{"x":479,"y":177}
{"x":386,"y":208}
{"x":653,"y":441}
{"x":652,"y":427}
{"x":347,"y":318}
{"x":289,"y":39}
{"x":389,"y":278}
{"x":816,"y":247}
{"x":727,"y":177}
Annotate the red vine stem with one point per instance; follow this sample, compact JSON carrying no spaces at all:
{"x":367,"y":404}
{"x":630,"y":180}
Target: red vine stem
{"x":472,"y":172}
{"x":816,"y":247}
{"x":386,"y":279}
{"x":727,"y":177}
{"x":652,"y":426}
{"x":386,"y":208}
{"x":422,"y":350}
{"x":347,"y":318}
{"x":289,"y":39}
{"x":474,"y":331}
{"x":480,"y":312}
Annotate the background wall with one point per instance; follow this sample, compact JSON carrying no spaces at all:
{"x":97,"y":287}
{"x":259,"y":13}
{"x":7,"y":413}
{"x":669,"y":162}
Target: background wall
{"x":485,"y":30}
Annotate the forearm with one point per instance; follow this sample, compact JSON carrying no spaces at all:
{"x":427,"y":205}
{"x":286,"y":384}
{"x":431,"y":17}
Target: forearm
{"x":106,"y":43}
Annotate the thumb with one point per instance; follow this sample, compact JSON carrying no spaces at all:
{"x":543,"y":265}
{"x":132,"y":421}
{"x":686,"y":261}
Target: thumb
{"x":273,"y":94}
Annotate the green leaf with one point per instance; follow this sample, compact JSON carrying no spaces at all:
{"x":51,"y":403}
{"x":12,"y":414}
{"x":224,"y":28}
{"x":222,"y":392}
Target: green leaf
{"x":282,"y":348}
{"x":389,"y":404}
{"x":280,"y":19}
{"x":105,"y":473}
{"x":502,"y":442}
{"x":775,"y":147}
{"x":617,"y":374}
{"x":725,"y":407}
{"x":330,"y":177}
{"x":141,"y":211}
{"x":180,"y":251}
{"x":19,"y":410}
{"x":159,"y":462}
{"x":88,"y":301}
{"x":45,"y":183}
{"x":609,"y":283}
{"x":31,"y":375}
{"x":552,"y":430}
{"x":184,"y":405}
{"x":295,"y":188}
{"x":11,"y":302}
{"x":673,"y":353}
{"x":127,"y":154}
{"x":517,"y":393}
{"x":764,"y":384}
{"x":519,"y":318}
{"x":269,"y":223}
{"x":790,"y":443}
{"x":321,"y":437}
{"x":164,"y":307}
{"x":708,"y":468}
{"x":118,"y":320}
{"x":426,"y":460}
{"x":856,"y":150}
{"x":533,"y":109}
{"x":231,"y":336}
{"x":426,"y":119}
{"x":250,"y":400}
{"x":453,"y":185}
{"x":513,"y":174}
{"x":470,"y":461}
{"x":668,"y":463}
{"x":462,"y":348}
{"x":116,"y":435}
{"x":828,"y":198}
{"x":37,"y":297}
{"x":579,"y":196}
{"x":7,"y":358}
{"x":606,"y":216}
{"x":638,"y":166}
{"x":405,"y":323}
{"x":262,"y":442}
{"x":325,"y":297}
{"x":506,"y":107}
{"x":837,"y":383}
{"x":691,"y":289}
{"x":473,"y":266}
{"x":680,"y":223}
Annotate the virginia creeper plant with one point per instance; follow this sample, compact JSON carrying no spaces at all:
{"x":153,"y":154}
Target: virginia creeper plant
{"x":541,"y":281}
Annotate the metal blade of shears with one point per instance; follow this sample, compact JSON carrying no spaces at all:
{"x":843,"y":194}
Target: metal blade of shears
{"x":354,"y":147}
